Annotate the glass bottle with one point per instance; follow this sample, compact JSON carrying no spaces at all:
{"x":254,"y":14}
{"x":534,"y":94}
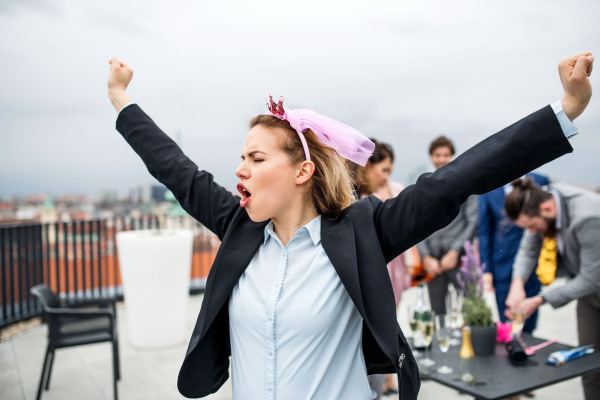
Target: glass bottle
{"x":467,"y":357}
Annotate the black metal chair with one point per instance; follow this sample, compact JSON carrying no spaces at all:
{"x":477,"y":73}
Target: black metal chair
{"x":74,"y":324}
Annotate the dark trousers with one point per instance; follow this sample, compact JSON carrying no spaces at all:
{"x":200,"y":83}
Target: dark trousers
{"x":438,"y":289}
{"x":588,"y":328}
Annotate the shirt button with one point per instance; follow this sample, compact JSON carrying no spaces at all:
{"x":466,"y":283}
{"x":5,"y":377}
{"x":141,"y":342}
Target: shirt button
{"x":401,"y":360}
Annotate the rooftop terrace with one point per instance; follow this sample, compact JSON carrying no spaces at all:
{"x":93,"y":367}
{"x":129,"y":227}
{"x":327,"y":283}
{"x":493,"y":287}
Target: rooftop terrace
{"x":84,"y":372}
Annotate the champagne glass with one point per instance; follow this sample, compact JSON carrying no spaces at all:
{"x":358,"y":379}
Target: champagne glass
{"x":413,"y":320}
{"x":454,"y":311}
{"x":443,"y":331}
{"x":427,"y":327}
{"x":517,"y":323}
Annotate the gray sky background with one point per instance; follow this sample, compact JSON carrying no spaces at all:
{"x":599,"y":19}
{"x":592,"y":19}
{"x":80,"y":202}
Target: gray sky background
{"x":401,"y":71}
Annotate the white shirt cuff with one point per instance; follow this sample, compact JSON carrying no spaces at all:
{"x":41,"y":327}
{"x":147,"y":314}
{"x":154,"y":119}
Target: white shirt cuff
{"x":568,"y":127}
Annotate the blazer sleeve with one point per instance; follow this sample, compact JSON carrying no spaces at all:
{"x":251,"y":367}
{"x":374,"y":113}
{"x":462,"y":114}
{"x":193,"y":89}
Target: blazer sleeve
{"x":195,"y":190}
{"x":468,"y":212}
{"x":424,"y":248}
{"x":435,"y":199}
{"x":527,"y":256}
{"x":587,"y":280}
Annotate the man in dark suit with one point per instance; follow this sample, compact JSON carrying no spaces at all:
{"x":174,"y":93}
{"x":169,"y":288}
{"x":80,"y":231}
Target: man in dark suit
{"x":571,"y":215}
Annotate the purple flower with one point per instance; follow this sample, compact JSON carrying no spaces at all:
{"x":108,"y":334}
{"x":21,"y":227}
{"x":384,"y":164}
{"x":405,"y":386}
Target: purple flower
{"x":471,"y":272}
{"x":463,"y":286}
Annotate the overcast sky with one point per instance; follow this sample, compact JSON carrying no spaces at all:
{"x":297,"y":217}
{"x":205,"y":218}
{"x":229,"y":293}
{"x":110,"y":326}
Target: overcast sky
{"x":401,"y":71}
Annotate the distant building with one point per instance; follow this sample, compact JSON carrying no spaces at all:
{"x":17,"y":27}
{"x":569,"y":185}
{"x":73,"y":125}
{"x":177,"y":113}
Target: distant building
{"x":108,"y":196}
{"x":7,"y":211}
{"x":158,"y":193}
{"x":48,"y":214}
{"x":147,"y":193}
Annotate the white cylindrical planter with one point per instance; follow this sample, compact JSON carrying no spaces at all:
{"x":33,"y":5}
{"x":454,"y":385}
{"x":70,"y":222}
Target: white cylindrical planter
{"x":155,"y":269}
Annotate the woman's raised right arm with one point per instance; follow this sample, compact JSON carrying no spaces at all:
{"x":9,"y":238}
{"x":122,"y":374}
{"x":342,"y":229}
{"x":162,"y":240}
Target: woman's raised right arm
{"x":118,"y":79}
{"x":198,"y":194}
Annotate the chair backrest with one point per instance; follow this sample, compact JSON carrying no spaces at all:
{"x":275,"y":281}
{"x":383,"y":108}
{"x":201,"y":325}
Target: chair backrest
{"x":46,"y":296}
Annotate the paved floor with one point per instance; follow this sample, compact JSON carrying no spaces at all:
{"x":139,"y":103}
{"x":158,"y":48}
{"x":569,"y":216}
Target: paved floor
{"x":85,"y":372}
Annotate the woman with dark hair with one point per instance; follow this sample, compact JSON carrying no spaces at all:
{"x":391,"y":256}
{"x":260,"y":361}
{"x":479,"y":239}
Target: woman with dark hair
{"x":299,"y":294}
{"x":375,"y":175}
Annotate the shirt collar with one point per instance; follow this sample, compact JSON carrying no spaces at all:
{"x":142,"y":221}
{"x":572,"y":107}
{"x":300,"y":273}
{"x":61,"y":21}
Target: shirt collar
{"x":313,"y":228}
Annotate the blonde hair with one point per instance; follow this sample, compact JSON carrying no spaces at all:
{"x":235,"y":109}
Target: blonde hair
{"x":332,"y":189}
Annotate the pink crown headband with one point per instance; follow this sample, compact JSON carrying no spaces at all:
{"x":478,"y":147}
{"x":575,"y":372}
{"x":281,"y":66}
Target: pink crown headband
{"x":345,"y":140}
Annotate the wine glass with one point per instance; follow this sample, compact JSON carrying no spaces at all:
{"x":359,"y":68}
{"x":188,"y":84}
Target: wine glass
{"x":413,"y":321}
{"x":443,"y":332}
{"x":454,"y":310}
{"x":517,"y":324}
{"x":427,"y":327}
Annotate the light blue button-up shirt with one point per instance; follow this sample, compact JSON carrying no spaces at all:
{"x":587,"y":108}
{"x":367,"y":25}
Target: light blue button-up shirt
{"x":295,"y":333}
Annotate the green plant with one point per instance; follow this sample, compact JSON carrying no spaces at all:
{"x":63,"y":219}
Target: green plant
{"x":475,"y":310}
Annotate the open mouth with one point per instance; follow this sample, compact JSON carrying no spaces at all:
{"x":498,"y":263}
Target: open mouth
{"x":245,"y":195}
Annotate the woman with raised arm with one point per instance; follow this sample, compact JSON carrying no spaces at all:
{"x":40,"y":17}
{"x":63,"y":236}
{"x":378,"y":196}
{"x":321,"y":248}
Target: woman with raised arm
{"x":299,"y":295}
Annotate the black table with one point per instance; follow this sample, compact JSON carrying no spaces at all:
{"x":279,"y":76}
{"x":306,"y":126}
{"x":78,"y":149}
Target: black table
{"x":497,"y":378}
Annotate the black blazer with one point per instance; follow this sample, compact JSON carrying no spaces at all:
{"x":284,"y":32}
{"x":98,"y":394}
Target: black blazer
{"x":360,"y":243}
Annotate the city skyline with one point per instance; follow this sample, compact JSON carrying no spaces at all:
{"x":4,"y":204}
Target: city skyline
{"x":402,"y":72}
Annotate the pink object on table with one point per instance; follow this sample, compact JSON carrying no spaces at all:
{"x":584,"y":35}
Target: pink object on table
{"x":532,"y":349}
{"x":504,"y":331}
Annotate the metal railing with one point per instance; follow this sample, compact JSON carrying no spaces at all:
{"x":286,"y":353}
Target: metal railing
{"x":76,"y":259}
{"x":20,"y":266}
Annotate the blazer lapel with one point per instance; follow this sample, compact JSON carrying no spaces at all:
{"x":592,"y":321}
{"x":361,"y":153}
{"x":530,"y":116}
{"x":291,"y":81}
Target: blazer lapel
{"x":339,"y":242}
{"x":564,"y":259}
{"x":337,"y":238}
{"x":564,"y":211}
{"x":235,"y":253}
